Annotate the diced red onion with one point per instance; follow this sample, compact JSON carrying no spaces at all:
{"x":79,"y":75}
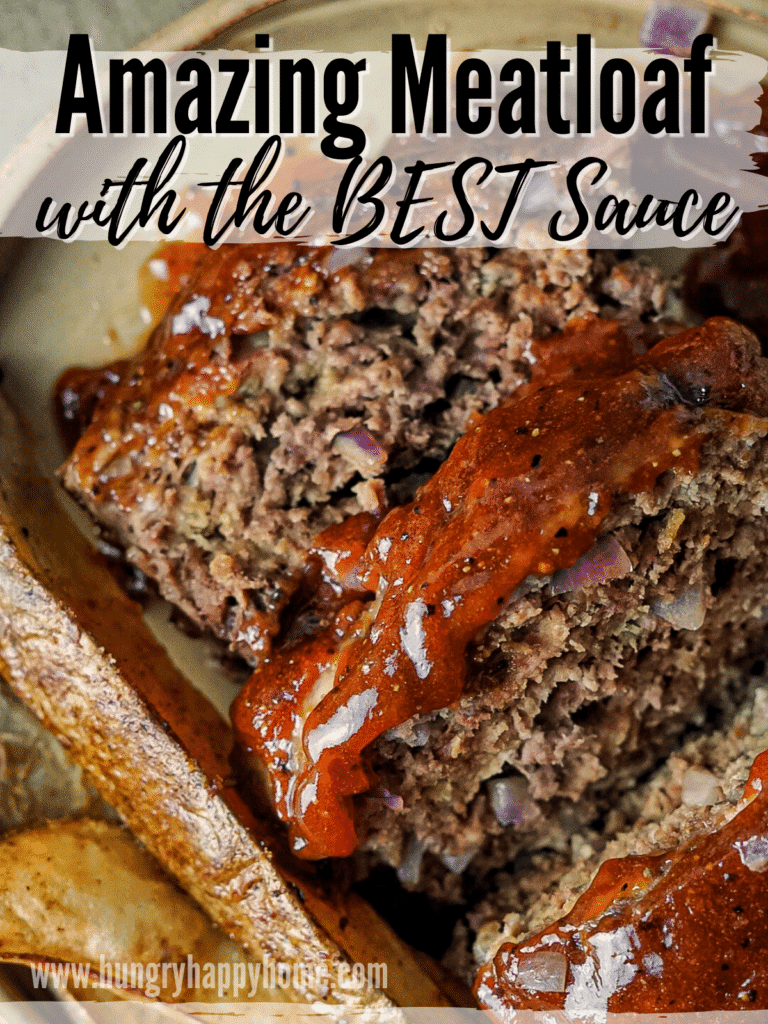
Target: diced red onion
{"x":458,"y":862}
{"x":686,"y":611}
{"x":349,"y":579}
{"x":671,"y":28}
{"x":409,"y":871}
{"x":543,"y":971}
{"x":360,"y":448}
{"x":108,"y":550}
{"x":753,"y":852}
{"x":420,"y":735}
{"x":700,"y":788}
{"x":510,"y":800}
{"x":606,"y":560}
{"x":392,"y":801}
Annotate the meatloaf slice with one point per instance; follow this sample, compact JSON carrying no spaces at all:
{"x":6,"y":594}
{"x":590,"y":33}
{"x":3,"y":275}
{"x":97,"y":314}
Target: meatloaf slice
{"x":697,"y":784}
{"x":572,"y":696}
{"x":492,"y":702}
{"x":678,"y":906}
{"x":283,"y":392}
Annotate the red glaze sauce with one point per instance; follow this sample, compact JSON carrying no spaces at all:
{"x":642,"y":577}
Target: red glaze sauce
{"x":168,"y":271}
{"x":682,"y":931}
{"x":181,"y":367}
{"x":81,"y":390}
{"x":129,"y":422}
{"x":525,"y":491}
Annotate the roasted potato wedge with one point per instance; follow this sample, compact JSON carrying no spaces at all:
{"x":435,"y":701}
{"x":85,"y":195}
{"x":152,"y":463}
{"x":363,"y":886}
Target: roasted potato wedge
{"x":84,"y":892}
{"x":75,"y":648}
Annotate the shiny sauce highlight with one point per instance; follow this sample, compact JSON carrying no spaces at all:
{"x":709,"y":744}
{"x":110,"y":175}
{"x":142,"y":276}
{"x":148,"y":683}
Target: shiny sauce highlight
{"x":525,"y":491}
{"x":640,"y":939}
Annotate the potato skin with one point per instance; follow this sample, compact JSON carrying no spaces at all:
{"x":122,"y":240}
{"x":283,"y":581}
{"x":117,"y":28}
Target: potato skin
{"x":76,"y":891}
{"x":75,"y":648}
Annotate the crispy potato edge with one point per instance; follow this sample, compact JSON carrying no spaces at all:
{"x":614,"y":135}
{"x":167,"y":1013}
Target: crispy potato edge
{"x":76,"y":650}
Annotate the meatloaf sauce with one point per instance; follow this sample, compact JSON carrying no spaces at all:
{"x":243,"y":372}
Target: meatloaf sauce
{"x":525,"y":492}
{"x":641,"y":938}
{"x":287,"y":389}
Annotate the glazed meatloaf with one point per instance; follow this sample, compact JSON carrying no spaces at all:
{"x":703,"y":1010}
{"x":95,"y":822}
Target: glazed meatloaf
{"x":676,"y":904}
{"x":246,"y":458}
{"x":279,"y":396}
